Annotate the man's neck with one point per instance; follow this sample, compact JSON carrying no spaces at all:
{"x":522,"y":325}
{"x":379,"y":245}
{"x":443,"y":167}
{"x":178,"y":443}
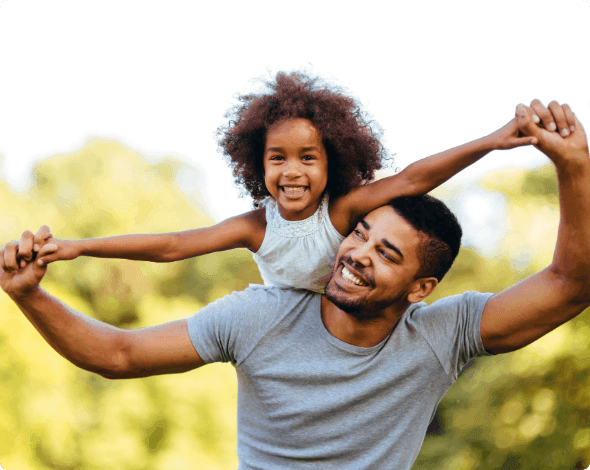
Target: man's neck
{"x":357,"y":331}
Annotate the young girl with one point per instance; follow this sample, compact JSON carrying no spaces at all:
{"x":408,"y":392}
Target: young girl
{"x":309,"y":155}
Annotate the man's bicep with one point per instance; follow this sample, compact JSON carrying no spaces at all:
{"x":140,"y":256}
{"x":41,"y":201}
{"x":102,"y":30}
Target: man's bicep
{"x":526,"y":311}
{"x":161,"y":349}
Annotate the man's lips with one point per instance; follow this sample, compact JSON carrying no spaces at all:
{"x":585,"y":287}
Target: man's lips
{"x":352,"y":275}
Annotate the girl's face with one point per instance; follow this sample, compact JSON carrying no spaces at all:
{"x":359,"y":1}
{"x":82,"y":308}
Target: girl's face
{"x":295,"y":167}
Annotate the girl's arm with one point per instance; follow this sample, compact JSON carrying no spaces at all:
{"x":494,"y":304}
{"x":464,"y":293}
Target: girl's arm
{"x":244,"y":231}
{"x":420,"y":177}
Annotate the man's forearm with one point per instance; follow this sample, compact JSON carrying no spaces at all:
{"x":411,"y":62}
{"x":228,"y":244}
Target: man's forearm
{"x":572,"y":251}
{"x":84,"y":341}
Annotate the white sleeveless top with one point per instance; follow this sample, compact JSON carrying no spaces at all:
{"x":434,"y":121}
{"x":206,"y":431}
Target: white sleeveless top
{"x":300,"y":253}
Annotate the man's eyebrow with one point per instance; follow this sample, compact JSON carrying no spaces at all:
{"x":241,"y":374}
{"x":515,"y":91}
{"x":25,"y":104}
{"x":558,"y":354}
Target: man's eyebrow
{"x":385,"y":242}
{"x":391,"y":246}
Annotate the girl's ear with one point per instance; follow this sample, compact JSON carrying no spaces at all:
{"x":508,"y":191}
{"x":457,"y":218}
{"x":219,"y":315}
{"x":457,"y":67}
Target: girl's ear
{"x":421,"y":288}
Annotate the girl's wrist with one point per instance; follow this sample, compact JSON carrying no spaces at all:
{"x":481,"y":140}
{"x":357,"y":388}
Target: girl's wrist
{"x":489,"y":143}
{"x":78,"y":248}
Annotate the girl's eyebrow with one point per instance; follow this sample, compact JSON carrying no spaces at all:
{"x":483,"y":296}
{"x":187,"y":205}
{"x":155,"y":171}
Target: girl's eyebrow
{"x":280,"y":149}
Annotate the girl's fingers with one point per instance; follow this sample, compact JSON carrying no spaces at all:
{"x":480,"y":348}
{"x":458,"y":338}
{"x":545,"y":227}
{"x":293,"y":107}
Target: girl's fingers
{"x":544,"y":114}
{"x":47,"y":254}
{"x":560,"y":119}
{"x":42,"y":235}
{"x":46,"y":249}
{"x":569,"y":116}
{"x":526,"y":124}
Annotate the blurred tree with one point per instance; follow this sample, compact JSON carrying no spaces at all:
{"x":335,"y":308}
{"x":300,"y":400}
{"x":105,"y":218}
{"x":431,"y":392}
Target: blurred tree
{"x":526,"y":410}
{"x":53,"y":415}
{"x":529,"y":409}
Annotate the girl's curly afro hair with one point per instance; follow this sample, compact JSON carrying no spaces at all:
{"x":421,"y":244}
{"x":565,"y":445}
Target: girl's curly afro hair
{"x":353,"y":147}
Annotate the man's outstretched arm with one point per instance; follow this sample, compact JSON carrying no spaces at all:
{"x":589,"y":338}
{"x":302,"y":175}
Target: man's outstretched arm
{"x":535,"y":306}
{"x":88,"y":343}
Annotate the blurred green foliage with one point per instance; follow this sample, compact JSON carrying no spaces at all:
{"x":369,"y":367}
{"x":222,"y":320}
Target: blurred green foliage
{"x":55,"y":416}
{"x":526,"y":410}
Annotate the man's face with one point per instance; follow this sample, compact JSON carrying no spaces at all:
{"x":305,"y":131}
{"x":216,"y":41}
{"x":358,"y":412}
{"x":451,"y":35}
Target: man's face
{"x":376,"y":265}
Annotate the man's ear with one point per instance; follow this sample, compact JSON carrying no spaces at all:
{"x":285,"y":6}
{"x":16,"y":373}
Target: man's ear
{"x":421,"y":288}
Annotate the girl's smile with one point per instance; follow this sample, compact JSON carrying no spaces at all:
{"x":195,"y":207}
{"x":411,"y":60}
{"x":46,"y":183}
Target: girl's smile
{"x":295,"y":167}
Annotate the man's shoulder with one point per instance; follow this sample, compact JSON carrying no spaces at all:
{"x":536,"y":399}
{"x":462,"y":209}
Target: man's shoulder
{"x":270,"y":300}
{"x":470,"y":301}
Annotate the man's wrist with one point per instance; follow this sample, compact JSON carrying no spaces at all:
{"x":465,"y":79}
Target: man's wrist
{"x":573,"y":161}
{"x":24,"y":296}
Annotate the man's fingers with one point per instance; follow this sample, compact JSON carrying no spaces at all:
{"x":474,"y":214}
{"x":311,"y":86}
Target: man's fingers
{"x":560,"y":119}
{"x":25,"y":246}
{"x":42,"y":235}
{"x":570,"y":117}
{"x":10,"y":262}
{"x":544,"y":114}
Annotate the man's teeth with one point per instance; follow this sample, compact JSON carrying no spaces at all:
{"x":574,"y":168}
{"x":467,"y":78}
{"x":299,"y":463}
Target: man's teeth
{"x":346,"y":274}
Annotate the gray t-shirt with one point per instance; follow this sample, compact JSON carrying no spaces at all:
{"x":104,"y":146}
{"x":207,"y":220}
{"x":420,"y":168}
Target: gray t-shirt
{"x":306,"y":398}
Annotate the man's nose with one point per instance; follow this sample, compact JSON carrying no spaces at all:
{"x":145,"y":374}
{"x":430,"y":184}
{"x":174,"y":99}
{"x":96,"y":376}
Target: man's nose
{"x":361,"y":254}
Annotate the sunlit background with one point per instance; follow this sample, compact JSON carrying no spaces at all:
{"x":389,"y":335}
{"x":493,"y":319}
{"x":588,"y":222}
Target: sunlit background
{"x":116,"y":104}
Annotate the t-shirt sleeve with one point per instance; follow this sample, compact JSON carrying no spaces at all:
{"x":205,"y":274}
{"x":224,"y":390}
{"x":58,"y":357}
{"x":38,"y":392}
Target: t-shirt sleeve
{"x":228,"y":329}
{"x":452,"y":328}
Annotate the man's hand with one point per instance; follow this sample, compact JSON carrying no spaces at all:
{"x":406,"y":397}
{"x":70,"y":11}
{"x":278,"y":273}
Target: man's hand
{"x":568,"y":144}
{"x":15,"y":281}
{"x":19,"y":273}
{"x":509,"y":137}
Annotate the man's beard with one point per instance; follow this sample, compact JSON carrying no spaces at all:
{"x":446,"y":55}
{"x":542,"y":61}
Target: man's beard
{"x":357,"y":307}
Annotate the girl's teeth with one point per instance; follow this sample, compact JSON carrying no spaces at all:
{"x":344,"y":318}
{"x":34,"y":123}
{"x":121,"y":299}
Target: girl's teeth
{"x":292,"y":191}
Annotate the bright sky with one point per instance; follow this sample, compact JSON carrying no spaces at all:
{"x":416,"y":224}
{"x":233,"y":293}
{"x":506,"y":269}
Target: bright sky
{"x":159,"y":76}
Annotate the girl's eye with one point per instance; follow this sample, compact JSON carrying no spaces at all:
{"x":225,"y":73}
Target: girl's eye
{"x":276,"y":158}
{"x":308,"y":158}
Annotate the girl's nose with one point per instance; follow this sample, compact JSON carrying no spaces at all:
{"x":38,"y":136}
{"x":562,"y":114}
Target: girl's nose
{"x":291,"y":170}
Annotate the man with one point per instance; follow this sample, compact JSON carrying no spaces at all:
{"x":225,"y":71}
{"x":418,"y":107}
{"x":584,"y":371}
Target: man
{"x":352,"y":378}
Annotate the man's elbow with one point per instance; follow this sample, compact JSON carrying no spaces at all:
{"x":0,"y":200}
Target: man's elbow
{"x":115,"y":364}
{"x":575,"y":285}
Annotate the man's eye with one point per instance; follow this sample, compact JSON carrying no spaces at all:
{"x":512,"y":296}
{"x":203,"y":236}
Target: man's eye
{"x":358,"y":233}
{"x":386,"y":256}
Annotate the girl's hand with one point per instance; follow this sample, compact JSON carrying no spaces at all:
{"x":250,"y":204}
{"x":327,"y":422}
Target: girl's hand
{"x":44,"y":248}
{"x":57,"y":250}
{"x":509,"y":137}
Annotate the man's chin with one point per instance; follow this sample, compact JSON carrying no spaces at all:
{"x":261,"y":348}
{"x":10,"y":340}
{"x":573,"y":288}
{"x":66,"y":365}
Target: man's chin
{"x":346,"y":303}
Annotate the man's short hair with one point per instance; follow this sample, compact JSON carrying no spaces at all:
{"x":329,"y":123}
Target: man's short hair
{"x":440,"y":230}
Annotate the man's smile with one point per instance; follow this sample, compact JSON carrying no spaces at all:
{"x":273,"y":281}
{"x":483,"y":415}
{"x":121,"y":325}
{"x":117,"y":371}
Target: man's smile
{"x":346,"y":274}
